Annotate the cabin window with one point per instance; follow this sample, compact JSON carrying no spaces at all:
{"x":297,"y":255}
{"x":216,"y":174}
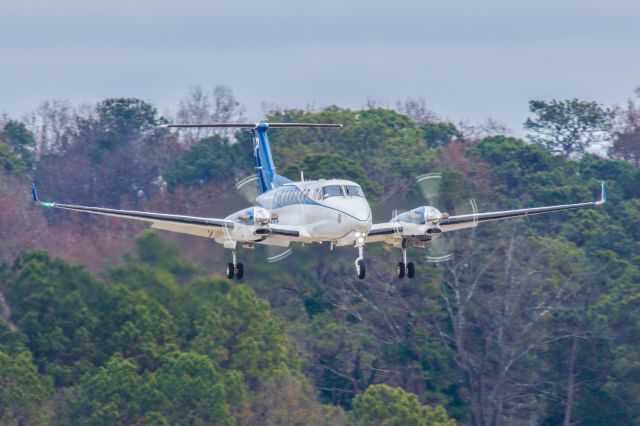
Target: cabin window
{"x":331,"y":191}
{"x":354,"y":191}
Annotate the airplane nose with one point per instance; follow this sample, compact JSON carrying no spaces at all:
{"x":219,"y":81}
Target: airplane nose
{"x":360,"y":209}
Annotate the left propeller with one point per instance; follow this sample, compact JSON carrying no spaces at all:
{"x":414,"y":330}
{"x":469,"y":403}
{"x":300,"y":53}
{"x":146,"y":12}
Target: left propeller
{"x":247,"y":188}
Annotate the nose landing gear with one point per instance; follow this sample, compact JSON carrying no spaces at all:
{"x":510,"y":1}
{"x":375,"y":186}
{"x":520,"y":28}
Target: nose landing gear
{"x":361,"y":268}
{"x":404,"y":267}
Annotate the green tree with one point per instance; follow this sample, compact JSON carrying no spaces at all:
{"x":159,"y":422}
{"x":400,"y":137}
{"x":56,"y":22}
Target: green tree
{"x":154,"y":251}
{"x":12,"y":342}
{"x":23,"y":392}
{"x":568,"y":127}
{"x":386,"y":145}
{"x":617,"y":369}
{"x":208,"y":159}
{"x":137,"y":326}
{"x":122,"y":120}
{"x":186,"y":389}
{"x":387,"y":406}
{"x":288,"y":398}
{"x":117,"y":155}
{"x":439,"y":133}
{"x":515,"y":162}
{"x":11,"y":163}
{"x":116,"y":395}
{"x":240,"y":333}
{"x":196,"y":392}
{"x":58,"y":308}
{"x":21,"y":141}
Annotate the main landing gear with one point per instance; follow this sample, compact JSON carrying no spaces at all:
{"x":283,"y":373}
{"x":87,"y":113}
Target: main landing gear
{"x":235,"y":269}
{"x":403,"y":267}
{"x":361,"y":268}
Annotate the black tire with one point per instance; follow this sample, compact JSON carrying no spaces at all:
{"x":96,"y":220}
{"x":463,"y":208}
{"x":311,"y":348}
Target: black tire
{"x":400,"y":270}
{"x":230,"y":270}
{"x":239,"y":271}
{"x":361,"y":269}
{"x":411,"y":270}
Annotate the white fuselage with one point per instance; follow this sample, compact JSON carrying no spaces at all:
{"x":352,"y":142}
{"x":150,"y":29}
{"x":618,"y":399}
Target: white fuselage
{"x":328,"y":210}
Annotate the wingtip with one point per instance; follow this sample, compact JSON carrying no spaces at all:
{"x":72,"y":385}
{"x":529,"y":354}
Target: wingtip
{"x":34,"y":193}
{"x":603,"y":195}
{"x":36,"y":199}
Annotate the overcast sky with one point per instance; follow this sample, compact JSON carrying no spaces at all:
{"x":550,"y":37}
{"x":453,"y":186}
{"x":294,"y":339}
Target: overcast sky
{"x":469,"y":60}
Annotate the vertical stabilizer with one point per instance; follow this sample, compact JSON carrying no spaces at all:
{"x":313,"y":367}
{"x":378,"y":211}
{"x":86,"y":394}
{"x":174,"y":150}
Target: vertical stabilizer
{"x":265,"y":169}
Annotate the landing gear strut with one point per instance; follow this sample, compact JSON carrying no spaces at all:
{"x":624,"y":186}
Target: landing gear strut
{"x":403,"y":267}
{"x":361,"y":268}
{"x":235,"y":269}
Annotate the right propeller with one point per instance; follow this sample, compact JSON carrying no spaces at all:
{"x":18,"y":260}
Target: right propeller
{"x":430,"y":188}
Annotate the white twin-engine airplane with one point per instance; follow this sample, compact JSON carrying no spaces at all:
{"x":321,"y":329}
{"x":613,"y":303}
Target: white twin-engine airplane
{"x":331,"y":210}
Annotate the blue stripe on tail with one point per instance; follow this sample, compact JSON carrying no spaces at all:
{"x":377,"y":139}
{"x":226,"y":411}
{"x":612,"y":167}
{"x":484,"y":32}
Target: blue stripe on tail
{"x":265,"y":169}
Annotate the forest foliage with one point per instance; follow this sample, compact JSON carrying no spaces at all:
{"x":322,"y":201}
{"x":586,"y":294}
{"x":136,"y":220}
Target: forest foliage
{"x":533,"y":321}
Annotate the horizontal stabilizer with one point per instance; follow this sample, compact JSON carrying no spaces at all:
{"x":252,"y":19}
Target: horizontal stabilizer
{"x":250,"y":125}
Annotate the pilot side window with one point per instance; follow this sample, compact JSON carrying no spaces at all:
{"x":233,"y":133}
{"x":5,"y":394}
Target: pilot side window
{"x":331,"y":191}
{"x":354,"y":191}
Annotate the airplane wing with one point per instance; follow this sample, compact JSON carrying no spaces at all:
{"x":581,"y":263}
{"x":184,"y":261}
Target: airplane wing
{"x":385,"y":232}
{"x":453,"y":223}
{"x":391,"y":231}
{"x":199,"y":226}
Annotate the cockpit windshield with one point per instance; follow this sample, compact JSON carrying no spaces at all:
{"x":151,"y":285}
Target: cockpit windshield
{"x":354,"y":191}
{"x":331,"y":191}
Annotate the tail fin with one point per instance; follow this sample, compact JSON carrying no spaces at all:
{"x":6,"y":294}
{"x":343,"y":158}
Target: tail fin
{"x":265,"y":169}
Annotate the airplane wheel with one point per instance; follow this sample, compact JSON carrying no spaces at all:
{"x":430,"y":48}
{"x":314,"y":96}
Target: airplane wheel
{"x":239,"y":271}
{"x":361,"y":269}
{"x":411,"y":270}
{"x":230,"y":270}
{"x":400,"y":270}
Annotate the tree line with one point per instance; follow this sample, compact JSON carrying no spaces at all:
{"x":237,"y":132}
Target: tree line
{"x":532,"y":321}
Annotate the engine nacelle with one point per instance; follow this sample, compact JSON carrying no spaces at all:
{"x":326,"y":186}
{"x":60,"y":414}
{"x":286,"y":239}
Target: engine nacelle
{"x":421,"y":216}
{"x":421,"y":224}
{"x":257,"y":216}
{"x":252,"y":224}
